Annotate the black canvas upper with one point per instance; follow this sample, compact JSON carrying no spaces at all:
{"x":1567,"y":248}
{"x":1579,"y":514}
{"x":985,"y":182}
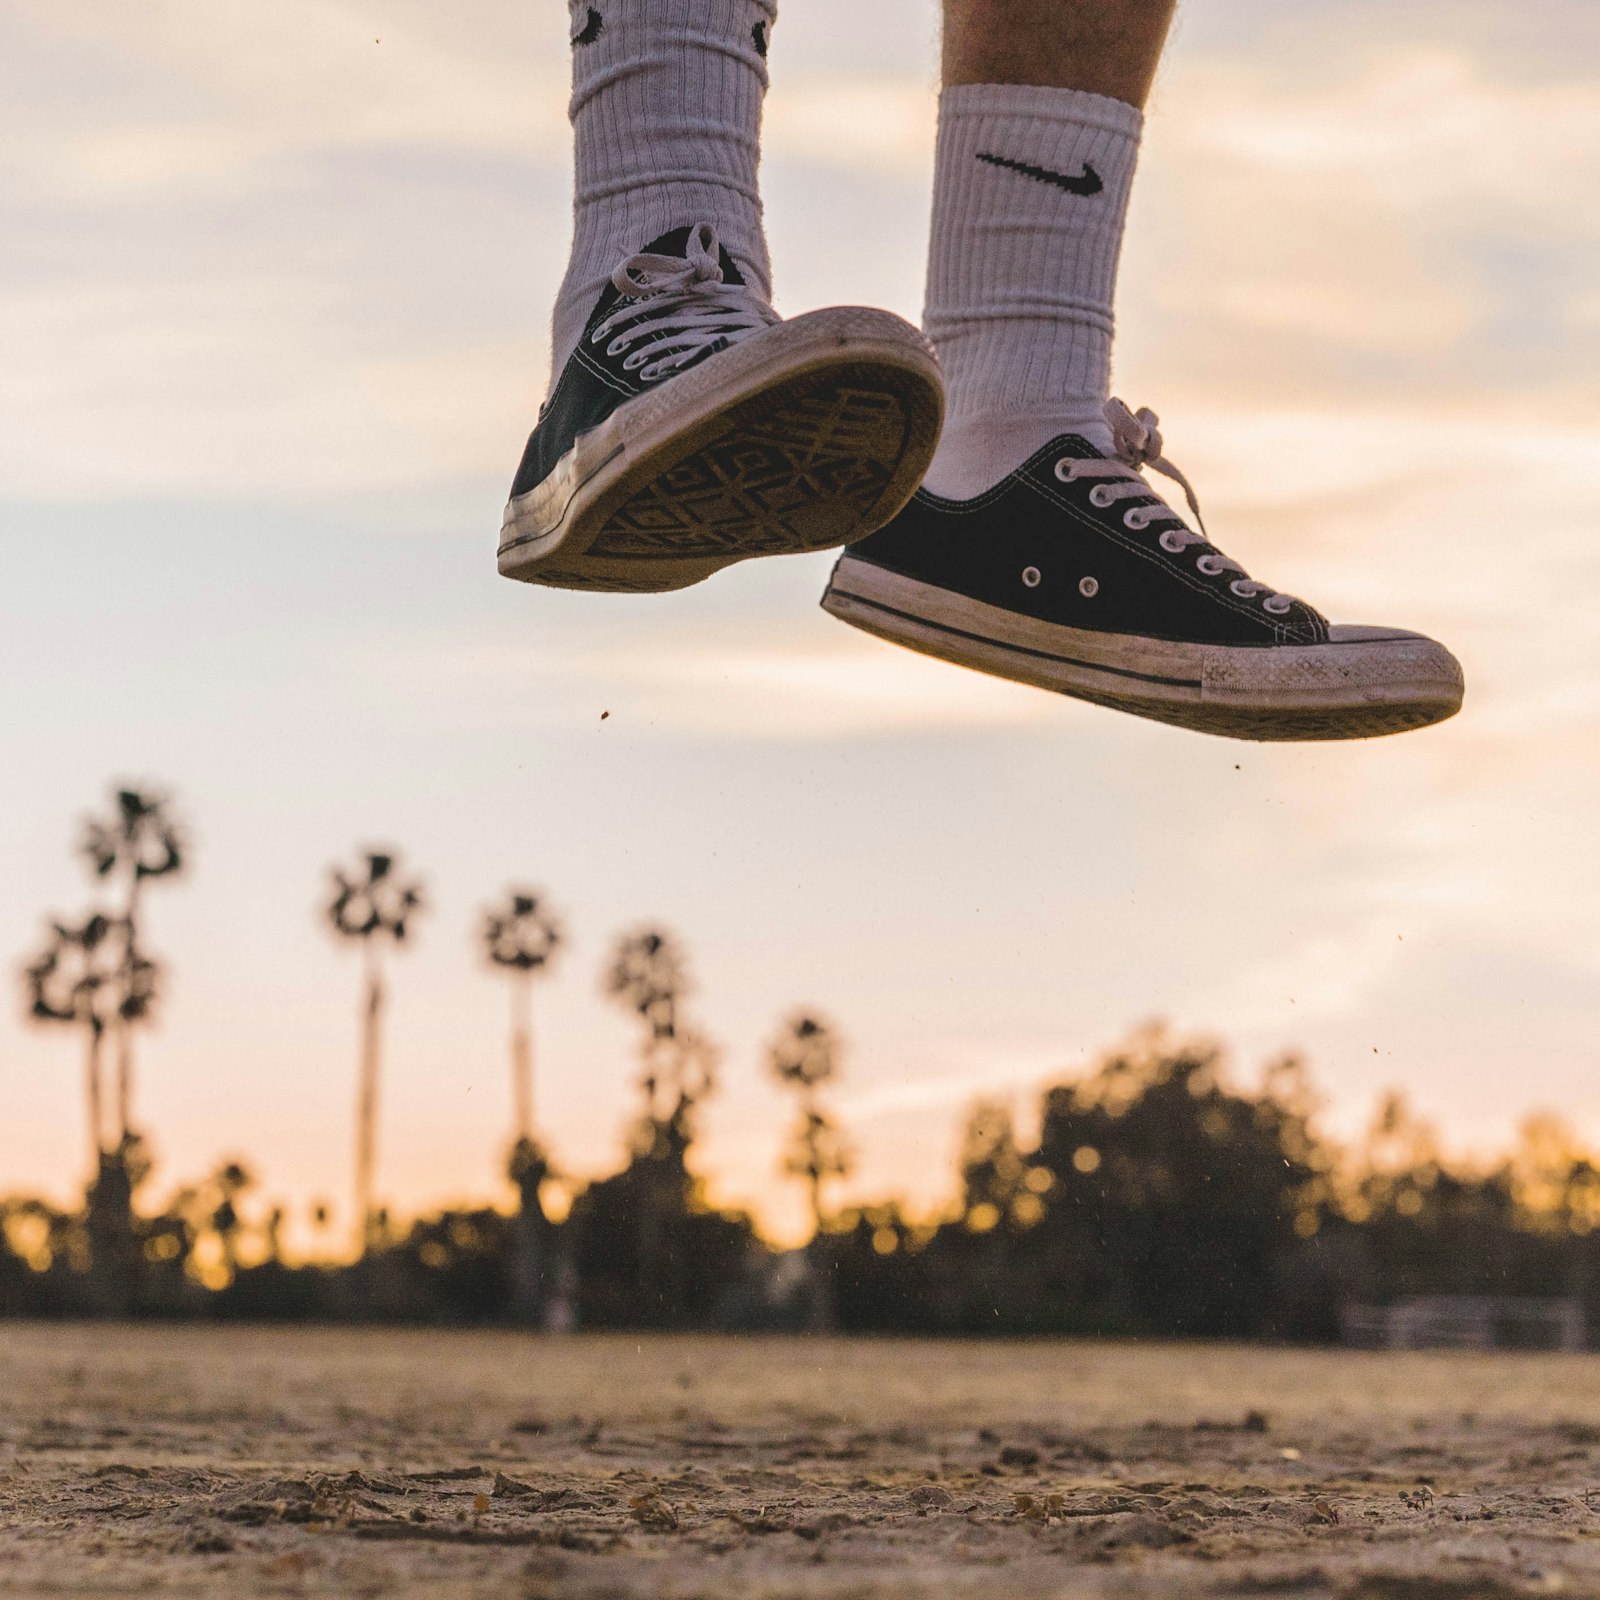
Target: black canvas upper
{"x":594,"y":382}
{"x":1029,"y":544}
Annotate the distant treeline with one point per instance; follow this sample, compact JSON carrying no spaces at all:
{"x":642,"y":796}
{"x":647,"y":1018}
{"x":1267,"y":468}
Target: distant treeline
{"x":1158,"y":1198}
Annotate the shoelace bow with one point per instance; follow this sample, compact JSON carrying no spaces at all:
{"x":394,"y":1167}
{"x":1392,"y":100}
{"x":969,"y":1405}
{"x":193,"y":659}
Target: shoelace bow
{"x":676,"y":308}
{"x":1136,"y":439}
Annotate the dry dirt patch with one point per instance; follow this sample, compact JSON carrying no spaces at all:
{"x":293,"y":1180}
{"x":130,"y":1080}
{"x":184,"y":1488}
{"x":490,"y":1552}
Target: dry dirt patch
{"x":243,"y":1462}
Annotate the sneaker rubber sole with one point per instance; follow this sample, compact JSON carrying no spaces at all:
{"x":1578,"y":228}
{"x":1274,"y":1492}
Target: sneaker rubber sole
{"x":804,"y":437}
{"x":1362,"y":684}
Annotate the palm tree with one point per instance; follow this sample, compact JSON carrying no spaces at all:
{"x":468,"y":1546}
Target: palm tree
{"x":373,"y":904}
{"x":648,"y":974}
{"x":520,"y":937}
{"x":138,"y":840}
{"x":92,"y":975}
{"x":804,"y":1057}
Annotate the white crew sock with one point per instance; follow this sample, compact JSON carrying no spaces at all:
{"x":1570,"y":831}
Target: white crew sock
{"x":666,"y":117}
{"x":1022,"y":271}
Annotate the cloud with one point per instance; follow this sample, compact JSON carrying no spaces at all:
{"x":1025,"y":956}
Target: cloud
{"x":284,"y":80}
{"x":1406,"y":229}
{"x":867,"y":125}
{"x":837,"y":685}
{"x":1423,"y":128}
{"x":963,"y":1072}
{"x":258,"y":259}
{"x":267,"y":252}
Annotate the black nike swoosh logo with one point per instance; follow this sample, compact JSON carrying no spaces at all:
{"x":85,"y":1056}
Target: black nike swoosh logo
{"x":591,"y":28}
{"x":1088,"y":183}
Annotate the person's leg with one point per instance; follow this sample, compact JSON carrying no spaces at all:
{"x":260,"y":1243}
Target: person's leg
{"x":1037,"y":551}
{"x":687,"y":426}
{"x":1038,"y":137}
{"x":1108,"y":47}
{"x":666,"y":121}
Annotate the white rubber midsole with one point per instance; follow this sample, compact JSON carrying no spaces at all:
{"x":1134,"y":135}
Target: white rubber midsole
{"x":1357,"y":666}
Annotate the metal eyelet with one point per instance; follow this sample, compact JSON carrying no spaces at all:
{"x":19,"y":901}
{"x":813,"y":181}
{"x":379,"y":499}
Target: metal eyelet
{"x":1245,"y":588}
{"x":1210,"y":565}
{"x":1277,"y":605}
{"x":637,"y":359}
{"x":1138,"y":519}
{"x":1171,"y":543}
{"x":1067,"y":469}
{"x":616,"y":347}
{"x":1032,"y":577}
{"x":1100,"y":497}
{"x":1088,"y":587}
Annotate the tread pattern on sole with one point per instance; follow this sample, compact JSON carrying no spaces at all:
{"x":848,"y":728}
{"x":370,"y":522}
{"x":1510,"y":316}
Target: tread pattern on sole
{"x":801,"y":476}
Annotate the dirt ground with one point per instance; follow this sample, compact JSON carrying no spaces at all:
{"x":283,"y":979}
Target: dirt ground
{"x":241,"y":1462}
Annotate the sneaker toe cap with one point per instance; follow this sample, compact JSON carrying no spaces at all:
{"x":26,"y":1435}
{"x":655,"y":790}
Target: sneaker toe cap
{"x":1400,"y":655}
{"x":1416,"y":649}
{"x":1367,"y":633}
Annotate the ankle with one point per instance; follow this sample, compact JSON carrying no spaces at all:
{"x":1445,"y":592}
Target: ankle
{"x":1030,"y":197}
{"x":977,"y":451}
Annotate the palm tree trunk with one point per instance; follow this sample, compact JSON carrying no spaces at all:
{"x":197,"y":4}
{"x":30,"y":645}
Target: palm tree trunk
{"x":819,"y":1285}
{"x":367,"y":1098}
{"x":522,"y":1054}
{"x":529,"y":1237}
{"x":96,"y":1132}
{"x":123,"y":1025}
{"x":124,"y":1077}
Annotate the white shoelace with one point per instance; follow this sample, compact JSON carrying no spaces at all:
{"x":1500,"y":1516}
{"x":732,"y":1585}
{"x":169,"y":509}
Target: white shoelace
{"x":1136,"y":436}
{"x":676,"y":308}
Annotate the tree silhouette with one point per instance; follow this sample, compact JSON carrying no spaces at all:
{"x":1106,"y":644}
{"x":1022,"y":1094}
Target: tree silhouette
{"x":804,"y":1057}
{"x":228,"y":1185}
{"x":375,"y":904}
{"x":1166,"y":1200}
{"x":1554,"y":1178}
{"x":138,"y":840}
{"x":91,"y":975}
{"x":994,"y":1171}
{"x":520,"y":937}
{"x":648,"y":975}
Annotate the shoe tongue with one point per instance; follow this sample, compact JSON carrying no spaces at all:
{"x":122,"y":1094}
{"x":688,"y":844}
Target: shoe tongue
{"x":675,"y":242}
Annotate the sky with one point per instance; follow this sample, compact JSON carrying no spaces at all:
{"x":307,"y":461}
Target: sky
{"x":274,"y":289}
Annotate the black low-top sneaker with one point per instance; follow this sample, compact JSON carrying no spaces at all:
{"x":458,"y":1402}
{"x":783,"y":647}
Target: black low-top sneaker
{"x":693,"y":428}
{"x":1072,"y":574}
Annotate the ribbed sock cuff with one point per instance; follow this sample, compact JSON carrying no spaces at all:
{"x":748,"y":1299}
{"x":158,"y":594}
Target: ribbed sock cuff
{"x":1030,"y":198}
{"x":666,"y":110}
